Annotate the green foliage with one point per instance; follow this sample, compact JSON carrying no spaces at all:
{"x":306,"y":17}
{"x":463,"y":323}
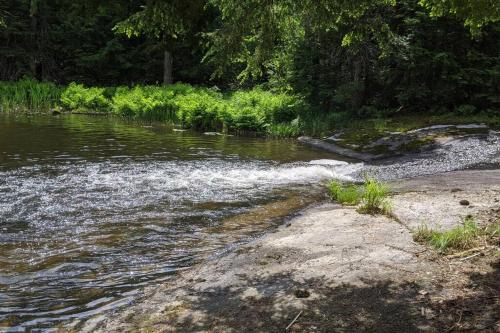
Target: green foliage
{"x":474,"y":13}
{"x":353,"y":59}
{"x":375,"y":197}
{"x":284,"y":130}
{"x":162,"y":19}
{"x":148,"y":103}
{"x":194,"y":107}
{"x":77,"y":97}
{"x":28,"y":95}
{"x":349,"y":195}
{"x":201,"y":109}
{"x":372,"y":195}
{"x":319,"y":124}
{"x":462,"y":237}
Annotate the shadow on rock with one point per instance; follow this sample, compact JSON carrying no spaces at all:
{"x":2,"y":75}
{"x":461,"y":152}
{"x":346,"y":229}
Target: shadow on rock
{"x":270,"y":304}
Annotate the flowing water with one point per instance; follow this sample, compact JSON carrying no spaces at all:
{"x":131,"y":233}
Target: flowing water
{"x":93,"y":209}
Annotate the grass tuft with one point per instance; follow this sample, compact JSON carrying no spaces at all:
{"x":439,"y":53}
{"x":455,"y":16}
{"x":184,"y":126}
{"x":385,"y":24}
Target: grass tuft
{"x":375,"y":198}
{"x":462,"y":237}
{"x":372,"y":194}
{"x":349,"y":195}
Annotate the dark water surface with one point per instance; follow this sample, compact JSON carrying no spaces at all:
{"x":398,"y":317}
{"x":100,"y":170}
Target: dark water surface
{"x":93,"y":209}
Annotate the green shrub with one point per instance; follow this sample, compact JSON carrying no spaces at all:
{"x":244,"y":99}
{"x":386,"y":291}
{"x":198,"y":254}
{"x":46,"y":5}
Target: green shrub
{"x":201,"y":109}
{"x":349,"y":195}
{"x":375,"y":197}
{"x":194,"y":107}
{"x":77,"y":97}
{"x":459,"y":238}
{"x":256,"y":109}
{"x":148,"y":102}
{"x":28,"y":95}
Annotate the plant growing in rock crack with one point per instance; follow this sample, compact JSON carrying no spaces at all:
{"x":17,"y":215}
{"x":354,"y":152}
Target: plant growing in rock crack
{"x":349,"y":195}
{"x":462,"y":237}
{"x":372,"y":195}
{"x":375,"y":199}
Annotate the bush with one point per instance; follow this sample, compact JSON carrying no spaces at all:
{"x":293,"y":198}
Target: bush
{"x":149,"y":102}
{"x":257,"y":109}
{"x":77,"y":97}
{"x":201,"y":109}
{"x":349,"y":195}
{"x":195,"y":107}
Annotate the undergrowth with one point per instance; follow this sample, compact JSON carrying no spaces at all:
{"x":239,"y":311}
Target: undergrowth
{"x":199,"y":108}
{"x":278,"y":115}
{"x":29,"y":95}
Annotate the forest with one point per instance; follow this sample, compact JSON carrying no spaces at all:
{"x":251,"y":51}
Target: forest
{"x":276,"y":67}
{"x":249,"y":166}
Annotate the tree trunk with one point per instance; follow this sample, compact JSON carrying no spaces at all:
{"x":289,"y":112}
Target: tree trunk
{"x":167,"y":68}
{"x":34,"y":37}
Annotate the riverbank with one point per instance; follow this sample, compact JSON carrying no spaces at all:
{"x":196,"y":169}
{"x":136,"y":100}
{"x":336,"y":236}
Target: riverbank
{"x":253,"y":112}
{"x":332,"y":269}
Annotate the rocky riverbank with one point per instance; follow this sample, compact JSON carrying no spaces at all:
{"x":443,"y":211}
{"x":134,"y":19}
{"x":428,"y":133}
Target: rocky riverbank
{"x":331,"y":269}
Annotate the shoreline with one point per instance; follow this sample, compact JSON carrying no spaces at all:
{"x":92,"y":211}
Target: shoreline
{"x":337,"y":270}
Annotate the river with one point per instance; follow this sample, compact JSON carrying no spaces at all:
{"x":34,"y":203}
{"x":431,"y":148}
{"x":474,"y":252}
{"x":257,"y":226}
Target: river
{"x":92,"y":209}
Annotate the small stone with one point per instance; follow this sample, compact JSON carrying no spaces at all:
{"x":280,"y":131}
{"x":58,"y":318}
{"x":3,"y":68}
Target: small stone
{"x":302,"y":293}
{"x":464,"y":202}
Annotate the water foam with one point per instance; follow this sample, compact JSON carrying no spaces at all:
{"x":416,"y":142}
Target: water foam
{"x":77,"y":193}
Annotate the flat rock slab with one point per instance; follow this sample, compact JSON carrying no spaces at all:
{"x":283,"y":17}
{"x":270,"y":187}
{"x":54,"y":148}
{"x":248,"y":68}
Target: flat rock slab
{"x":436,"y":200}
{"x":333,"y":148}
{"x":351,"y":272}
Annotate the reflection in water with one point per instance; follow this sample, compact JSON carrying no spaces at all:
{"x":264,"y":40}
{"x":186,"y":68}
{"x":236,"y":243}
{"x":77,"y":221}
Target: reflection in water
{"x":92,"y":209}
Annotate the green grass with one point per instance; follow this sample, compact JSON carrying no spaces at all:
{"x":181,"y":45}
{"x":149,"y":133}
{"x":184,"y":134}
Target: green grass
{"x":462,"y":237}
{"x":28,"y":95}
{"x":283,"y":130}
{"x":372,"y":196}
{"x":349,"y":195}
{"x":375,"y":197}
